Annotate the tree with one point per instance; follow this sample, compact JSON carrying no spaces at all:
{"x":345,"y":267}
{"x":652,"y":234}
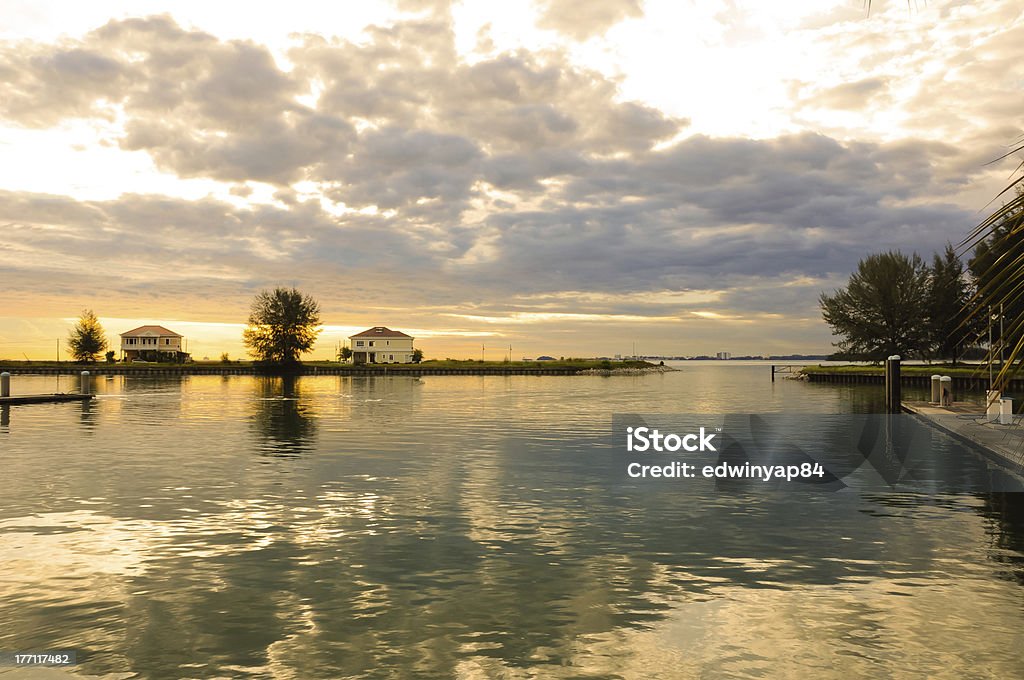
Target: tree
{"x":87,"y":338}
{"x":283,"y":324}
{"x":883,"y":309}
{"x":345,"y":353}
{"x":997,"y":262}
{"x":950,"y":328}
{"x":998,"y":265}
{"x":417,"y":356}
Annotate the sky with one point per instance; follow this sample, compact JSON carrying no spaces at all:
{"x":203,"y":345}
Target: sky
{"x":562,"y":177}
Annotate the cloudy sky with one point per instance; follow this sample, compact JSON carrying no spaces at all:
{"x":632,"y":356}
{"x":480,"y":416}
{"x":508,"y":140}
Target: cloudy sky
{"x":565,"y":176}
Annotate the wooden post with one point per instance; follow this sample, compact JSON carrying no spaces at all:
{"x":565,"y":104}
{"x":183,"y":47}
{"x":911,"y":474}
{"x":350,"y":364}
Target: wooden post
{"x":773,"y":372}
{"x":893,"y":391}
{"x":5,"y":384}
{"x":85,"y":386}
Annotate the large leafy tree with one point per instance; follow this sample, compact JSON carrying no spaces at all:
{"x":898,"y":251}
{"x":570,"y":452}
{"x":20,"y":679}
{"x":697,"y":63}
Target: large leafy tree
{"x":87,"y":339}
{"x":283,"y":324}
{"x":883,"y":309}
{"x":951,"y":328}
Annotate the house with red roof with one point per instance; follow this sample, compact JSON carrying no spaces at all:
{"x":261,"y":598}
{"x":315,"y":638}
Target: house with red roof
{"x":380,"y":345}
{"x":151,"y":343}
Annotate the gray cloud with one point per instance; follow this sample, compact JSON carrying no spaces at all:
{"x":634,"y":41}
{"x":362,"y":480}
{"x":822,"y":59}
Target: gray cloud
{"x":399,"y":122}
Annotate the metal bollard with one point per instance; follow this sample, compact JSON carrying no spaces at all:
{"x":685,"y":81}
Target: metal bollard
{"x":936,"y":390}
{"x":946,"y":395}
{"x":5,"y":384}
{"x":86,"y":385}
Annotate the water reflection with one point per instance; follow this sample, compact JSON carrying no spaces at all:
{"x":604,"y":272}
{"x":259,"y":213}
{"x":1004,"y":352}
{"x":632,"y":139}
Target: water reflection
{"x":283,"y":423}
{"x":470,"y":528}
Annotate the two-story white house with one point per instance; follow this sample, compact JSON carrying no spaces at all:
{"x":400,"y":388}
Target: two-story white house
{"x":151,"y":343}
{"x":380,"y":345}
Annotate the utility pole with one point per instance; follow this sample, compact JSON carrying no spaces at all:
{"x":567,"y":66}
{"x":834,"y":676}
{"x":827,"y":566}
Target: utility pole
{"x":482,"y":352}
{"x":58,"y":350}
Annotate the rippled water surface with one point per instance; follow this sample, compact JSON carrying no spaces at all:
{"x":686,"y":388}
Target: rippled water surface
{"x":464,"y":526}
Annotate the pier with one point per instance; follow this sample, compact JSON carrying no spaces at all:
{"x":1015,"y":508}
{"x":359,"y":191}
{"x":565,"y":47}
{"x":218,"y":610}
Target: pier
{"x":43,"y":398}
{"x":1004,"y":443}
{"x":84,"y":393}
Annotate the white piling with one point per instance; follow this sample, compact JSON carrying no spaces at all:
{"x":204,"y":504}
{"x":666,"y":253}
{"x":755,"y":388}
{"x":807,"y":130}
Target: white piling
{"x":936,"y":391}
{"x":946,"y":395}
{"x":86,"y":384}
{"x":1006,"y":411}
{"x":992,"y":398}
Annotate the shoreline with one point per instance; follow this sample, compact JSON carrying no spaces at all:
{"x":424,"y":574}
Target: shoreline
{"x":412,"y":370}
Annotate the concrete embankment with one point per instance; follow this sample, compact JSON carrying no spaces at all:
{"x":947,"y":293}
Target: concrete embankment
{"x":966,"y":422}
{"x":105,"y":369}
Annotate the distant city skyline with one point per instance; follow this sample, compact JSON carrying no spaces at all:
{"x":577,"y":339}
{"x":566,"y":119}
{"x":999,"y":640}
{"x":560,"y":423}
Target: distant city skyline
{"x":569,"y":178}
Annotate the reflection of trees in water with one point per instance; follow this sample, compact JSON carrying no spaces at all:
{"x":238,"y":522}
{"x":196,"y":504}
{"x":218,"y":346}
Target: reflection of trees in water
{"x":1006,"y":512}
{"x":281,"y":420}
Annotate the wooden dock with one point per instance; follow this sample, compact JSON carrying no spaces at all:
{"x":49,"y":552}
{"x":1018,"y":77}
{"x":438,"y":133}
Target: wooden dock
{"x":968,"y":423}
{"x":43,"y":398}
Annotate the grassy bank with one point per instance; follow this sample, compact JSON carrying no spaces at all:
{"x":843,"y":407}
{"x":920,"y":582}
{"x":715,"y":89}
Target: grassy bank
{"x":959,"y":371}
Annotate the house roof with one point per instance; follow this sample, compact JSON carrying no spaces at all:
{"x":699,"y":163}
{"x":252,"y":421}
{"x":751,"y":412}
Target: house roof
{"x":150,"y":330}
{"x":380,"y":332}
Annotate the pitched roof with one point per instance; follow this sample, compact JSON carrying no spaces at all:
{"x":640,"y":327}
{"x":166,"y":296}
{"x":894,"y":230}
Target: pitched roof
{"x":157,"y":330}
{"x":380,"y":332}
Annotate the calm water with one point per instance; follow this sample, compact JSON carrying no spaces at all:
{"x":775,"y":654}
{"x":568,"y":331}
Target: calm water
{"x":469,"y":527}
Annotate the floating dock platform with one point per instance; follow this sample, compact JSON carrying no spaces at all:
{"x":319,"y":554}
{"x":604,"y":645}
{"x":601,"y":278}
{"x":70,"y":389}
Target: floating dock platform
{"x":43,"y":398}
{"x":964,"y":421}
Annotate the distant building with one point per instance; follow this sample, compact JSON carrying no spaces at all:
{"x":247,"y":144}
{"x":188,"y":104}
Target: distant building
{"x":380,"y":345}
{"x":723,"y":355}
{"x":152,"y":343}
{"x":546,"y":358}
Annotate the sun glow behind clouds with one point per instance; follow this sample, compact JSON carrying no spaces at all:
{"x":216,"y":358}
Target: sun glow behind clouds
{"x":549,"y":215}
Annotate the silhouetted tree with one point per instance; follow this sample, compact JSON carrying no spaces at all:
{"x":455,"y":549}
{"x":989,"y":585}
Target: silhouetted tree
{"x":87,"y":338}
{"x":283,"y":324}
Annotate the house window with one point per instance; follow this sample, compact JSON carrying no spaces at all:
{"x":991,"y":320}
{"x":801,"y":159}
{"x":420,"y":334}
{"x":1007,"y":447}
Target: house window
{"x":391,"y":356}
{"x":359,"y":343}
{"x":371,"y":343}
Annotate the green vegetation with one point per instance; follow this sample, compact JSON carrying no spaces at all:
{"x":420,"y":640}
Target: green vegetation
{"x":283,"y":325}
{"x":882,"y":310}
{"x":960,"y":370}
{"x":998,"y":266}
{"x":87,"y":339}
{"x":896,"y":304}
{"x":345,"y":353}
